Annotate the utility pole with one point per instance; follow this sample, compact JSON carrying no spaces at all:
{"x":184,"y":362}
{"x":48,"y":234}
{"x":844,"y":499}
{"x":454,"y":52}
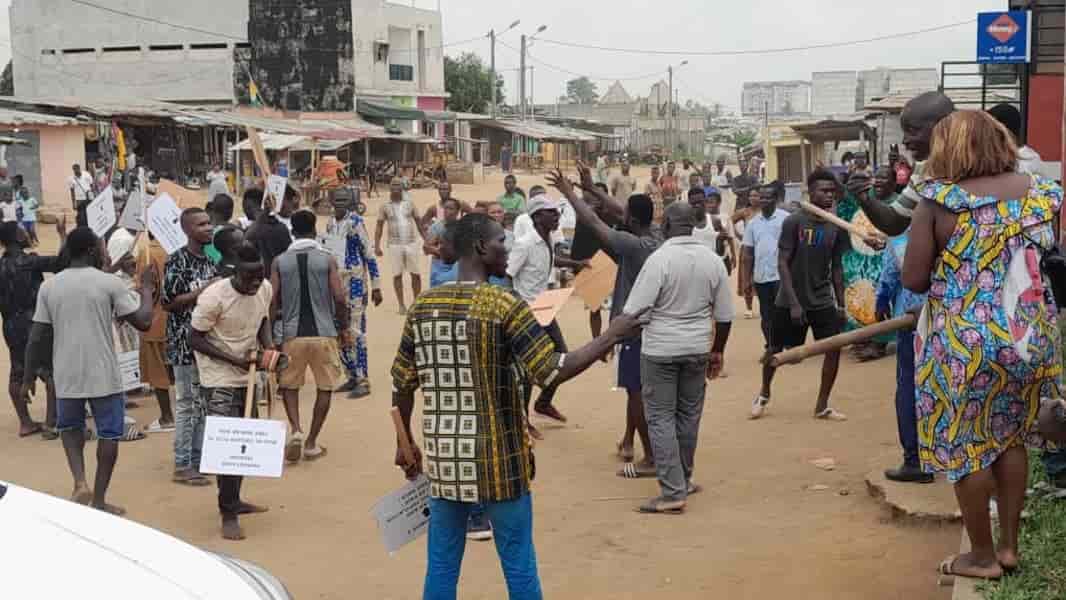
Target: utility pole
{"x":522,"y":78}
{"x":532,"y":97}
{"x":492,"y":69}
{"x":670,"y":112}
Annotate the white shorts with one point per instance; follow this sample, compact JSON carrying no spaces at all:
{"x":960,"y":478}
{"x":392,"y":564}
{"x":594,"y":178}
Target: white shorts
{"x":403,"y":259}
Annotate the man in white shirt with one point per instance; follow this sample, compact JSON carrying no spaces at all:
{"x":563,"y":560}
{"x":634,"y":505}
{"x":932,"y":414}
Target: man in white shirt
{"x":686,"y":286}
{"x":530,"y":267}
{"x":81,"y":187}
{"x":404,"y":250}
{"x":216,"y":180}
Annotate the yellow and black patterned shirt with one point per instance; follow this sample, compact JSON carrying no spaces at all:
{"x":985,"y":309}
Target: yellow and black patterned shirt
{"x":472,"y":348}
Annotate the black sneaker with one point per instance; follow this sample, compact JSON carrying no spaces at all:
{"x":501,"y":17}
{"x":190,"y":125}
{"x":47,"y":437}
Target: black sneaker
{"x":479,"y":529}
{"x":909,"y":474}
{"x":348,"y":386}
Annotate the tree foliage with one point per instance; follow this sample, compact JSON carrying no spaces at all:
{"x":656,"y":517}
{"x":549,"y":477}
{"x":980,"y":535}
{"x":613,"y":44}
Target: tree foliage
{"x":7,"y":80}
{"x":469,"y":82}
{"x":582,"y":91}
{"x":738,"y":138}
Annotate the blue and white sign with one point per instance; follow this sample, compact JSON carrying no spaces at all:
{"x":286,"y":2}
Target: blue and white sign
{"x":1003,"y":37}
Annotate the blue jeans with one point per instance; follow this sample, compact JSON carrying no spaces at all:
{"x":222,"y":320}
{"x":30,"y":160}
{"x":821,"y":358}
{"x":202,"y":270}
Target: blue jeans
{"x":109,"y":412}
{"x":1054,"y":463}
{"x":906,"y":412}
{"x":512,"y":524}
{"x":189,"y":416}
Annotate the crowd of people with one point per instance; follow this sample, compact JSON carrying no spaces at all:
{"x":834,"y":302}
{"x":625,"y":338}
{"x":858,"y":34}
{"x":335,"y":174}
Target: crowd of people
{"x":971,"y":376}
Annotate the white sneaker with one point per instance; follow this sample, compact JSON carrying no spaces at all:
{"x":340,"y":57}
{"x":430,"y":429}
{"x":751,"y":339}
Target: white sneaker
{"x":758,"y":406}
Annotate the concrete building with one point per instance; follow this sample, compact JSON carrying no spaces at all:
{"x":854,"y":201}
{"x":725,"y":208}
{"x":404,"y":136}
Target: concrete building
{"x":834,"y":93}
{"x":842,"y":93}
{"x":776,"y":97}
{"x":64,"y":49}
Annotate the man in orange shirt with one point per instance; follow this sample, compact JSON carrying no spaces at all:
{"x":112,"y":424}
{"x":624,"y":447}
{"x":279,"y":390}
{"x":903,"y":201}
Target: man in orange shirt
{"x":154,"y":370}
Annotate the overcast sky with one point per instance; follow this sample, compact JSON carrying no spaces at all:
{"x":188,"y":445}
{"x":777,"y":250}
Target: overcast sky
{"x":710,"y":25}
{"x":696,"y":25}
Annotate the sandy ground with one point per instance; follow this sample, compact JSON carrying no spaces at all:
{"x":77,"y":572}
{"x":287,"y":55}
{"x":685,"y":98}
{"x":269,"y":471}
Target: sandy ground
{"x":756,"y":532}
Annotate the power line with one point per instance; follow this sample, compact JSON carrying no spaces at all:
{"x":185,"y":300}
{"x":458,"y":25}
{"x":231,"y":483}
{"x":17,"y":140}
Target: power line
{"x":759,"y":51}
{"x":657,"y":73}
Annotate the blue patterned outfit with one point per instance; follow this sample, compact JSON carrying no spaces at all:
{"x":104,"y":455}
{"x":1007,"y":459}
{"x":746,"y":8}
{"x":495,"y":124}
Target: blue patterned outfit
{"x":358,"y":262}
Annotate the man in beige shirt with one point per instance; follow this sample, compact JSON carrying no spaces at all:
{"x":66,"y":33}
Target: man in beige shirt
{"x":622,"y":185}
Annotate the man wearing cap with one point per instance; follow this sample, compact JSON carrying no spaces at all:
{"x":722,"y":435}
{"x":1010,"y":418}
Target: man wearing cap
{"x":530,"y":268}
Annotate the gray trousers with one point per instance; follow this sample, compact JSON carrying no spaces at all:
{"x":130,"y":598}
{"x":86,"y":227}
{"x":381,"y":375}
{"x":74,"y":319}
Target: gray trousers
{"x":672,"y":390}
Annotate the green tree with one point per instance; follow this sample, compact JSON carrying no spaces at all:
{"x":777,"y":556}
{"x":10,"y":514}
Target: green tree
{"x":738,"y":138}
{"x":7,"y":81}
{"x":581,"y":91}
{"x":469,"y":82}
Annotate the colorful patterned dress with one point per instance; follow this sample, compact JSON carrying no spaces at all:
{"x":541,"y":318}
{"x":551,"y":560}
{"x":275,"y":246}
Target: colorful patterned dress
{"x":862,"y":270}
{"x":987,"y":344}
{"x":358,"y":263}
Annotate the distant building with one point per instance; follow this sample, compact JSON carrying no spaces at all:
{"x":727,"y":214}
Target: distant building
{"x":776,"y":98}
{"x":841,"y":93}
{"x":616,"y":94}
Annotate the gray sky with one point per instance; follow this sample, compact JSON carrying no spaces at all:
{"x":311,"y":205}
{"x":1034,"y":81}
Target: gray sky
{"x":694,"y":25}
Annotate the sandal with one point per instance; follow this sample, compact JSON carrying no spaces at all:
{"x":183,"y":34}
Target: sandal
{"x":49,"y":434}
{"x":315,"y":453}
{"x":158,"y":427}
{"x":631,"y":470}
{"x":294,"y":449}
{"x":658,"y":506}
{"x":831,"y":414}
{"x":694,"y":488}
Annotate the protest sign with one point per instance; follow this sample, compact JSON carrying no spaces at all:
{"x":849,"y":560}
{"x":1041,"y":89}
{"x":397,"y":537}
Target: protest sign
{"x":100,"y":213}
{"x":596,"y":282}
{"x":133,"y":213}
{"x":164,"y":221}
{"x":548,"y":304}
{"x":403,"y":515}
{"x":276,"y":188}
{"x":129,"y":364}
{"x":246,"y":447}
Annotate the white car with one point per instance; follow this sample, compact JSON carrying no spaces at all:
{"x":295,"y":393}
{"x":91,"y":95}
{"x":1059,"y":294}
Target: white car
{"x":58,"y":549}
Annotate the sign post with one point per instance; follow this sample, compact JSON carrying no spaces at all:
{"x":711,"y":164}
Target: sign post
{"x":1003,"y":37}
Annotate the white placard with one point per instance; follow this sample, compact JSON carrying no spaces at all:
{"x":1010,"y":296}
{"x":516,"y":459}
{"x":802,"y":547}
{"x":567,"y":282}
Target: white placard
{"x":276,"y":188}
{"x":100,"y":213}
{"x":131,"y":214}
{"x":403,"y":515}
{"x":164,"y":221}
{"x":129,"y":364}
{"x":247,"y":447}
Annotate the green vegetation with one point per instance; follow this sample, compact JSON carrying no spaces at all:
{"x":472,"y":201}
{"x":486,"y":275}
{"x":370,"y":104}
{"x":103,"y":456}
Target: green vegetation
{"x":1043,"y":548}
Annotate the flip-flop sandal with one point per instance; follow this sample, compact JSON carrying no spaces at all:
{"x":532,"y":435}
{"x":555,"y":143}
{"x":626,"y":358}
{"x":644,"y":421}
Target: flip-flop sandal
{"x":312,"y":454}
{"x":49,"y":434}
{"x":37,"y":428}
{"x":192,"y":481}
{"x":661,"y":507}
{"x":294,"y":449}
{"x":132,"y":433}
{"x":831,"y":414}
{"x":694,"y":488}
{"x":632,"y":471}
{"x":157,"y":427}
{"x":947,"y":568}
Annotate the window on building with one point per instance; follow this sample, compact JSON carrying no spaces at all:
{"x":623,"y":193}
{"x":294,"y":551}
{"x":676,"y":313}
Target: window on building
{"x":381,"y":52}
{"x":401,"y":73}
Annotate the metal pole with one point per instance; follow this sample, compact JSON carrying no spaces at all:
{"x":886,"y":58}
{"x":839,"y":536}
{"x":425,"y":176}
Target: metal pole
{"x":492,"y":69}
{"x":522,"y":79}
{"x":670,"y":112}
{"x":532,"y":97}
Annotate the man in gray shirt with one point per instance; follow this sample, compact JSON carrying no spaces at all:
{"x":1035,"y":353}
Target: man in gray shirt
{"x":629,"y":249}
{"x":72,"y":327}
{"x":315,"y":314}
{"x":686,"y":285}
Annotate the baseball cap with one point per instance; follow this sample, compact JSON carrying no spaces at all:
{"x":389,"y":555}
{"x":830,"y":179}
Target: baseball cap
{"x":541,"y":202}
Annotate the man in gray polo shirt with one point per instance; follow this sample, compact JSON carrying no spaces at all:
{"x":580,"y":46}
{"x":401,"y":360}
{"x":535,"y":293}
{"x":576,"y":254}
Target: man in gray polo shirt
{"x":687,"y":287}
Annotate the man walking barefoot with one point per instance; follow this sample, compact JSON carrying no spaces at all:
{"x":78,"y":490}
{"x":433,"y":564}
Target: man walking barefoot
{"x":403,"y":220}
{"x":77,"y":309}
{"x":686,"y":286}
{"x":230,"y":321}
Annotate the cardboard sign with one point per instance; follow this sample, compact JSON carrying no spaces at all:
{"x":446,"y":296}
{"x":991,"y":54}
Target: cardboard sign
{"x":133,"y":212}
{"x":403,"y":516}
{"x":246,"y":447}
{"x":276,"y":188}
{"x":183,"y":197}
{"x":100,"y":213}
{"x":164,"y":221}
{"x":548,"y":304}
{"x":595,"y":283}
{"x":258,"y":152}
{"x":129,"y":364}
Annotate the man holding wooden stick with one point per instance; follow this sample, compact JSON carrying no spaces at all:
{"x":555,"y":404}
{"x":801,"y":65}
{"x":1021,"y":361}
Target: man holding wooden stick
{"x":811,"y":294}
{"x":229,"y":322}
{"x":470,"y":346}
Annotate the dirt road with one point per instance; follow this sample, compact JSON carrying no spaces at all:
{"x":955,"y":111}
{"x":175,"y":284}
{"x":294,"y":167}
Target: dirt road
{"x":755,"y":533}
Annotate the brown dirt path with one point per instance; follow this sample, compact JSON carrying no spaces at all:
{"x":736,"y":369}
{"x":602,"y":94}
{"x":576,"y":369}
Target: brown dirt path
{"x":755,"y":533}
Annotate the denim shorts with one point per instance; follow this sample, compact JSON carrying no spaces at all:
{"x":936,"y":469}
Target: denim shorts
{"x":109,"y":412}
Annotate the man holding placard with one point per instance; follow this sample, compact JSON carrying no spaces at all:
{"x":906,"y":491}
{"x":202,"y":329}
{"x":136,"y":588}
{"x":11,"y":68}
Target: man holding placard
{"x":230,"y":322}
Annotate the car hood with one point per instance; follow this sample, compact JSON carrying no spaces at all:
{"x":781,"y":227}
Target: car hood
{"x":58,"y":549}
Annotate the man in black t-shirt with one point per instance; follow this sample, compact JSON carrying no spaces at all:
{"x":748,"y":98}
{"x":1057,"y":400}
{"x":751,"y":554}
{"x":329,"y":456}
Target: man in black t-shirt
{"x":812,"y":290}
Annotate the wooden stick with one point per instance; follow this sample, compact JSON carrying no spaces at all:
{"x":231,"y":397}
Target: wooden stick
{"x":401,"y":436}
{"x":835,"y":220}
{"x":249,"y":394}
{"x":798,"y":355}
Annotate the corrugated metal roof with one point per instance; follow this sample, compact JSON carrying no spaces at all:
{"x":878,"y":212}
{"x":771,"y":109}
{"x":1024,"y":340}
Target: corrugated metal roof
{"x":542,"y":131}
{"x":896,"y":102}
{"x":21,"y":117}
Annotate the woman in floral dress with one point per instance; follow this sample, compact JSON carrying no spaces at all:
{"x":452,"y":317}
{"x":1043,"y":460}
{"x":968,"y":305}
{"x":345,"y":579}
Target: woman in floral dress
{"x":987,"y":344}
